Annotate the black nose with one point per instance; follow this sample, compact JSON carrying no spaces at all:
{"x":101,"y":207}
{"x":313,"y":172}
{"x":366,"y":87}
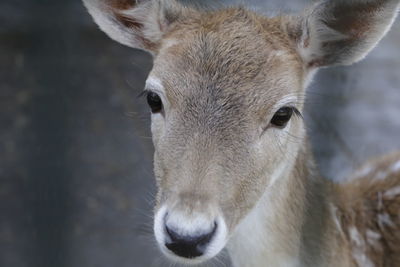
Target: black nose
{"x":188,"y":246}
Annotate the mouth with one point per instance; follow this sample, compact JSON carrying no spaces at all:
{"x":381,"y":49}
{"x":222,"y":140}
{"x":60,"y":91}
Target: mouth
{"x":189,"y":240}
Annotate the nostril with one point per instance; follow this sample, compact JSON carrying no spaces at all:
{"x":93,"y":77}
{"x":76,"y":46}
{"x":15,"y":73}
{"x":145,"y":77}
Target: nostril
{"x":188,"y":246}
{"x":190,"y":239}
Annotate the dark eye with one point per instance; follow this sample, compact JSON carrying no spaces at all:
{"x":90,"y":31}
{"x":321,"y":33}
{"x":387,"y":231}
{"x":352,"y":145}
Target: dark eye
{"x":154,"y":102}
{"x":282,"y":117}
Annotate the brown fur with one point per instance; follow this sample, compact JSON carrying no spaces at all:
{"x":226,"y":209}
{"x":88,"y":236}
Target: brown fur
{"x":366,"y":205}
{"x":221,"y":75}
{"x":121,"y":4}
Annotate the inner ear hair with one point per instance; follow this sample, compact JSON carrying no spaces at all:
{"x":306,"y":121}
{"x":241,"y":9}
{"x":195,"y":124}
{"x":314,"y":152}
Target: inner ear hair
{"x":341,"y":32}
{"x":138,"y":24}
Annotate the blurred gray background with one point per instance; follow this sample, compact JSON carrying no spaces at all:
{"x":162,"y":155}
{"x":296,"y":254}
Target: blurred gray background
{"x":76,"y":182}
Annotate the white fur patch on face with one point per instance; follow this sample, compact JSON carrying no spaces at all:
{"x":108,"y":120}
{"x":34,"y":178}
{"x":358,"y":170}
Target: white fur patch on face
{"x":196,"y":224}
{"x":277,"y":173}
{"x":254,"y":241}
{"x":286,"y":100}
{"x":186,"y":226}
{"x":155,"y":84}
{"x":159,"y":226}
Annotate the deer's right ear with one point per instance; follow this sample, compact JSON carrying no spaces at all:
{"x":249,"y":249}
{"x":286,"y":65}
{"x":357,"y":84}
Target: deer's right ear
{"x":341,"y":32}
{"x":138,"y":24}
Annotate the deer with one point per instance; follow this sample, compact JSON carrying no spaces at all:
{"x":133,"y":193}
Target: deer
{"x":226,"y":94}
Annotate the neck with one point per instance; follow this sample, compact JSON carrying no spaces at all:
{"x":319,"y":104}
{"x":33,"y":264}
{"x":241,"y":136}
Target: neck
{"x":292,"y":223}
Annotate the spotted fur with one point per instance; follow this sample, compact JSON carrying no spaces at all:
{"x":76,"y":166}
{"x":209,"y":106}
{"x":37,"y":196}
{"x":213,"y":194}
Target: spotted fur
{"x":369,"y":212}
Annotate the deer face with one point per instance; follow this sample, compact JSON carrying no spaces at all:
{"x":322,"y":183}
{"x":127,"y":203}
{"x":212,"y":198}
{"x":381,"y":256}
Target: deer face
{"x":225,"y":118}
{"x":226,"y":94}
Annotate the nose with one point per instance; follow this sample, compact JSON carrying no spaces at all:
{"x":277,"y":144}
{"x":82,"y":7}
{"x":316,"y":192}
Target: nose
{"x":188,"y":246}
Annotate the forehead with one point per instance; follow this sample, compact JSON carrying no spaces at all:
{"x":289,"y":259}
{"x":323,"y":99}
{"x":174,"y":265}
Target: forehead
{"x":231,"y":54}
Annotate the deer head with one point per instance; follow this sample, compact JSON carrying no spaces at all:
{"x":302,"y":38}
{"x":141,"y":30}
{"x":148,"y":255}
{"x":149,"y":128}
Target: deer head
{"x":226,"y":95}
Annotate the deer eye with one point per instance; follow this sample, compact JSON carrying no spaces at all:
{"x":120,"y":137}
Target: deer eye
{"x":154,"y":102}
{"x":282,"y":117}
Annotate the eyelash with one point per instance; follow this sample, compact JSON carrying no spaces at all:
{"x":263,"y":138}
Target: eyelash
{"x":144,"y":93}
{"x":297,"y":112}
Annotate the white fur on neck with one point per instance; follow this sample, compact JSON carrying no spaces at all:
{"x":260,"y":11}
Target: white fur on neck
{"x":253,"y":241}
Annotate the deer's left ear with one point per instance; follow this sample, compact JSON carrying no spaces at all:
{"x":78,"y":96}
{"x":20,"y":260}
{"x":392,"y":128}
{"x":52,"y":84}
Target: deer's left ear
{"x":341,"y":32}
{"x":135,"y":23}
